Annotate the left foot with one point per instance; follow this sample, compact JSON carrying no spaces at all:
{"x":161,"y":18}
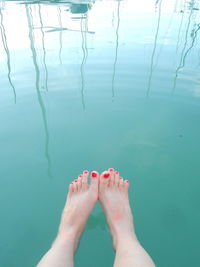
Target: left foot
{"x":80,"y":202}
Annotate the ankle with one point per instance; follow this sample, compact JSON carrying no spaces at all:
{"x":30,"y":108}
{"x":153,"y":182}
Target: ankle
{"x":123,"y":239}
{"x":66,"y":239}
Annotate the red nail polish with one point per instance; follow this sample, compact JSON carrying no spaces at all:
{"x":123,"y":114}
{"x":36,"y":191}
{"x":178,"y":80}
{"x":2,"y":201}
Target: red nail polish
{"x":111,"y":169}
{"x":94,"y":174}
{"x":75,"y":181}
{"x":106,"y":175}
{"x":80,"y":175}
{"x":85,"y":172}
{"x":120,"y":178}
{"x":116,"y":172}
{"x":127,"y":181}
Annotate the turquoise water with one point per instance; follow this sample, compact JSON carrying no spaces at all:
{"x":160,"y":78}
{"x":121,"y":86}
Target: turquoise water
{"x":92,"y":85}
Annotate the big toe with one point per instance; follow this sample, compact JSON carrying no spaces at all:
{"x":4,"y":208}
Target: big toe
{"x":105,"y":178}
{"x":94,"y":179}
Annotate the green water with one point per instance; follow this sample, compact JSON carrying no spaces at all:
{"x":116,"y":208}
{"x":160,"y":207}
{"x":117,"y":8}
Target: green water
{"x":93,"y":85}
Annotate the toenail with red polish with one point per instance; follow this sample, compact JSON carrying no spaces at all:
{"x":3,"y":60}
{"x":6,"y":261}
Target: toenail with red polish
{"x":126,"y":181}
{"x":85,"y":172}
{"x":120,"y":178}
{"x":80,"y":175}
{"x":111,"y":169}
{"x":94,"y":174}
{"x":75,"y":181}
{"x":106,"y":175}
{"x":116,"y":172}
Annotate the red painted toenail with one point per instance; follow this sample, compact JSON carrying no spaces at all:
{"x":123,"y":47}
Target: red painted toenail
{"x":75,"y":181}
{"x":106,"y":175}
{"x":80,"y":175}
{"x":117,"y":172}
{"x":94,"y":174}
{"x":120,"y":178}
{"x":85,"y":172}
{"x":111,"y":169}
{"x":127,"y":181}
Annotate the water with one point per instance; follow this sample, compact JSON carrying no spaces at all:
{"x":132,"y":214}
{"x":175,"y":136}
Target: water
{"x":93,"y":85}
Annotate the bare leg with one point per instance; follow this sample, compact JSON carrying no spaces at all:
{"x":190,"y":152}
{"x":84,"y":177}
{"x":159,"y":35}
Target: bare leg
{"x":113,"y":195}
{"x":80,"y":202}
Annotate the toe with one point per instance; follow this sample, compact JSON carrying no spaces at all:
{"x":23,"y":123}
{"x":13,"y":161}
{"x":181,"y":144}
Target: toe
{"x":78,"y":184}
{"x":121,"y":182}
{"x":117,"y":179}
{"x":105,"y":178}
{"x":94,"y":179}
{"x":80,"y":178}
{"x":126,"y":185}
{"x":85,"y":179}
{"x":71,"y":189}
{"x":112,"y":177}
{"x":75,"y":185}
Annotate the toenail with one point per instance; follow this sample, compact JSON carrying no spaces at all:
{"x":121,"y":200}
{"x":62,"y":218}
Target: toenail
{"x":75,"y":181}
{"x":85,"y":172}
{"x":106,"y":175}
{"x":127,"y":181}
{"x":111,"y":169}
{"x":120,"y":178}
{"x":117,"y":172}
{"x":94,"y":174}
{"x":80,"y":175}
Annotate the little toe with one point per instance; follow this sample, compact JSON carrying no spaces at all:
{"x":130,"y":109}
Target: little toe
{"x":105,"y":178}
{"x":71,"y":189}
{"x":126,"y":185}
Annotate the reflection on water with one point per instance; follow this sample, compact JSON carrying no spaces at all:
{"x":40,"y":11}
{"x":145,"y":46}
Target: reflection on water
{"x":116,"y":48}
{"x":37,"y":85}
{"x":183,"y":53}
{"x":158,"y":2}
{"x":43,"y":47}
{"x":61,"y":33}
{"x":5,"y":45}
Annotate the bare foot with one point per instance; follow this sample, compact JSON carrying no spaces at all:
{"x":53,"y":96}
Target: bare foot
{"x":113,"y":196}
{"x":80,"y":201}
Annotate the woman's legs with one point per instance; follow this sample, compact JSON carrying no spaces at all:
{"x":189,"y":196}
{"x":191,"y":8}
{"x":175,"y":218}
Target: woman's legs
{"x":113,"y":195}
{"x":80,"y":202}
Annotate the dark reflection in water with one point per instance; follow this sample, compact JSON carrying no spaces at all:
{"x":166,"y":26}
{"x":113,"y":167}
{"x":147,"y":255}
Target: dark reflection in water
{"x":43,"y":47}
{"x":116,"y":50}
{"x":158,"y":2}
{"x":79,"y":8}
{"x":180,"y":27}
{"x":182,"y":61}
{"x":37,"y":85}
{"x":5,"y":45}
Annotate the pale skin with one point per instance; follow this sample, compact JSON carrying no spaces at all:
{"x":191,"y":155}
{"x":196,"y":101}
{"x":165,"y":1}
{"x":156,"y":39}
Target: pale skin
{"x":112,"y":192}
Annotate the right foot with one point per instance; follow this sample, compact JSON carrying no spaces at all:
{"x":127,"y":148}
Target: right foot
{"x":81,"y":199}
{"x":113,"y":196}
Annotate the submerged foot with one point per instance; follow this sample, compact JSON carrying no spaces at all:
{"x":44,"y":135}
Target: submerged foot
{"x":113,"y":196}
{"x":80,"y":201}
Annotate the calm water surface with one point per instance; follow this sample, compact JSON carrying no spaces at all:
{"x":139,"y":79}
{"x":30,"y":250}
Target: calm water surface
{"x":92,"y":85}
